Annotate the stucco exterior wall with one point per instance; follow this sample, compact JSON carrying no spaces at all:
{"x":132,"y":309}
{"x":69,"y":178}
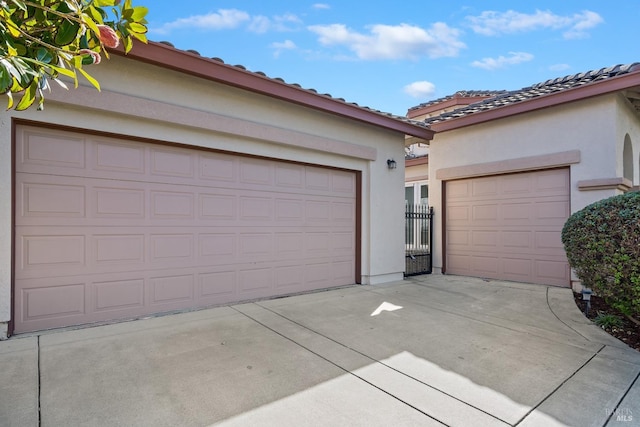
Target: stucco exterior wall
{"x":627,"y":124}
{"x":591,"y":126}
{"x":416,"y":173}
{"x":171,"y":107}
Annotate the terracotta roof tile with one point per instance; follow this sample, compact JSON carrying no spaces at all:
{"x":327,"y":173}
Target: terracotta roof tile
{"x":311,"y":90}
{"x":459,"y":94}
{"x":506,"y":98}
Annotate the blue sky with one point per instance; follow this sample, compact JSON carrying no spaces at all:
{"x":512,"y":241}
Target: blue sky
{"x":391,"y":56}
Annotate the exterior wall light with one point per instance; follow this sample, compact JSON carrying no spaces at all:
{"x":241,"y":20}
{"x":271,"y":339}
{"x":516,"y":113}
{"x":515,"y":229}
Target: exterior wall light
{"x":391,"y":164}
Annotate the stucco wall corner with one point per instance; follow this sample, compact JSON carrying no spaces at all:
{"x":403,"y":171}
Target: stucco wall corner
{"x":4,"y":331}
{"x":382,"y":278}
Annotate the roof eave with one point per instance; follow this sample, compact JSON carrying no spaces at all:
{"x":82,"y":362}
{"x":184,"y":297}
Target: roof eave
{"x":186,"y":62}
{"x":603,"y":87}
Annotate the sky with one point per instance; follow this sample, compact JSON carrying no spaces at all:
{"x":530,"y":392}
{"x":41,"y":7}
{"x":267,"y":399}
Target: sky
{"x":391,"y":56}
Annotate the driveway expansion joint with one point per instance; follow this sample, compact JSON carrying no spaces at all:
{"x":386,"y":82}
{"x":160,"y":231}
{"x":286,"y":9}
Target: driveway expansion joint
{"x":381,"y":363}
{"x":559,"y":386}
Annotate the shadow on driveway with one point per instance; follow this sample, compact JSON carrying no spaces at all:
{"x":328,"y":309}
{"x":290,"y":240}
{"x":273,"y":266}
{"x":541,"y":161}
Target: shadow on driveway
{"x":430,"y":350}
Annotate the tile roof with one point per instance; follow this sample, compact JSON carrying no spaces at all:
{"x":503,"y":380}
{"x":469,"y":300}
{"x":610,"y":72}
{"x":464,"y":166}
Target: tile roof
{"x":506,"y":98}
{"x":460,"y":94}
{"x":404,"y":119}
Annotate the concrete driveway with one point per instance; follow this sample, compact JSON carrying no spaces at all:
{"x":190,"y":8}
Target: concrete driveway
{"x":434,"y":350}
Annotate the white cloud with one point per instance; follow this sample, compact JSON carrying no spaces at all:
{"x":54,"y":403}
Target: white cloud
{"x":260,"y":24}
{"x":421,"y":89}
{"x":279,"y":47}
{"x":227,"y":19}
{"x":559,"y":67}
{"x":224,"y":19}
{"x":587,"y":21}
{"x":393,"y":42}
{"x":321,"y":6}
{"x":503,"y":61}
{"x":492,"y":23}
{"x":282,"y":23}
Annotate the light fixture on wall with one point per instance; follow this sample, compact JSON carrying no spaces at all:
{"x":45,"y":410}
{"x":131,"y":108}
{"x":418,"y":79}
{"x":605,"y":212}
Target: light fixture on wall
{"x":391,"y":164}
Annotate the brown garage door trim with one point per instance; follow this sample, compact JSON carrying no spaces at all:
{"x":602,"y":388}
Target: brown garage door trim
{"x":520,"y":164}
{"x":16,"y":122}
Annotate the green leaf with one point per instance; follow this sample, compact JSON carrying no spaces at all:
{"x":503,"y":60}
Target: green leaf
{"x":67,"y":33}
{"x":20,"y":4}
{"x":6,"y":81}
{"x":103,"y":3}
{"x":13,"y":29}
{"x":10,"y":100}
{"x":137,"y":28}
{"x":41,"y":16}
{"x":64,"y":7}
{"x":139,"y":12}
{"x":63,"y":71}
{"x":126,"y":42}
{"x":91,"y":24}
{"x":29,"y":96}
{"x":68,"y":6}
{"x":141,"y":37}
{"x":43,"y":55}
{"x":93,"y":15}
{"x":91,"y":80}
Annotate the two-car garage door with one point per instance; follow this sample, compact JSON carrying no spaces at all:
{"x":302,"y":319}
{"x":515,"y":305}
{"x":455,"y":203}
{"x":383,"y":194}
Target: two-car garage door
{"x":509,"y":226}
{"x":109,"y":228}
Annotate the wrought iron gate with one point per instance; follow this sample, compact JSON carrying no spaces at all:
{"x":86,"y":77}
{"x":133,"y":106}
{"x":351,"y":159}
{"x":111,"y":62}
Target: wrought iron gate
{"x":418,"y":239}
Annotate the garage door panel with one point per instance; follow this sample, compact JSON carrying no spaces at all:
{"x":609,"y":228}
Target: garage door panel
{"x":172,"y":162}
{"x":119,"y":294}
{"x":515,"y":212}
{"x":134,"y":229}
{"x":459,"y":214}
{"x":50,"y":199}
{"x":171,"y":289}
{"x":516,"y":186}
{"x":457,"y":238}
{"x":49,"y":151}
{"x":170,"y":249}
{"x":255,"y":283}
{"x":484,"y":187}
{"x":486,"y":265}
{"x":40,"y":254}
{"x":549,"y":241}
{"x":217,"y":287}
{"x":460,"y":263}
{"x":128,"y":249}
{"x":555,"y":271}
{"x":555,"y":181}
{"x":117,"y":156}
{"x":52,"y":301}
{"x":512,"y":240}
{"x":485,"y":240}
{"x":513,"y":234}
{"x":552,"y":210}
{"x":172,"y":205}
{"x":342,"y":271}
{"x":289,"y":211}
{"x":114,"y":203}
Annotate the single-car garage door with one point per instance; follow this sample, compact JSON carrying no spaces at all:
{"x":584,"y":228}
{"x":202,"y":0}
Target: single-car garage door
{"x":109,"y":228}
{"x":509,"y":226}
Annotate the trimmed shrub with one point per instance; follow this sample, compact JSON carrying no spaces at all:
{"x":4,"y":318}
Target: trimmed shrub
{"x":602,"y":242}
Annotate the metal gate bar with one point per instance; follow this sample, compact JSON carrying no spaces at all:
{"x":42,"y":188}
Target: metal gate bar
{"x":418,"y":239}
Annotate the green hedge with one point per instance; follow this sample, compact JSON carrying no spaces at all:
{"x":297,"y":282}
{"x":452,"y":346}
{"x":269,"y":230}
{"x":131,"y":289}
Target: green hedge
{"x":602,"y":242}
